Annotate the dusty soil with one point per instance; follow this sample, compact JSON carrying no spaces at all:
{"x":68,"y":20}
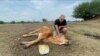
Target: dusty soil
{"x":81,"y":45}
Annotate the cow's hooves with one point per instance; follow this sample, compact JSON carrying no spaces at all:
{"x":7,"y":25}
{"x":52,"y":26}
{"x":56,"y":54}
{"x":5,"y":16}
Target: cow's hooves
{"x":67,"y":44}
{"x":23,"y":36}
{"x":21,"y":43}
{"x":25,"y":47}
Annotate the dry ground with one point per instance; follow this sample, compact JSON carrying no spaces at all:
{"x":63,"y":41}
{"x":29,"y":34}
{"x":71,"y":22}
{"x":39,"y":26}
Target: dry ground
{"x":82,"y":44}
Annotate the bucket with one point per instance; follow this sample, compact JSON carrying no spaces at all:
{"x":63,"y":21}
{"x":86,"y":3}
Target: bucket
{"x":43,"y":49}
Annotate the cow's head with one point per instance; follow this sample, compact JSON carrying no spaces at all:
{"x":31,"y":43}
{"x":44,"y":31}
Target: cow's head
{"x":61,"y":40}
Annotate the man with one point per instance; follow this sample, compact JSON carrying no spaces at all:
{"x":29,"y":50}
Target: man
{"x":60,"y":25}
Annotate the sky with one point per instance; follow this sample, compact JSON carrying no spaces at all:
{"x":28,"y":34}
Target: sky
{"x":35,"y":10}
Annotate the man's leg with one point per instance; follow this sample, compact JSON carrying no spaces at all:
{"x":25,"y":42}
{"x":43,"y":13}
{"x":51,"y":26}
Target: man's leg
{"x":64,"y":30}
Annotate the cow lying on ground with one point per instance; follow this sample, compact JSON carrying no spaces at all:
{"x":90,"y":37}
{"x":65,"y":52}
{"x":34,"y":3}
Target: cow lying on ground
{"x":46,"y":34}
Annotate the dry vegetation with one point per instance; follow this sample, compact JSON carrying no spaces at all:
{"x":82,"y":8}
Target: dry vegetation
{"x":84,"y":37}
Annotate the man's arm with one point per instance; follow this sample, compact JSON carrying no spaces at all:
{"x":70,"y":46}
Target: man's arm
{"x":57,"y":29}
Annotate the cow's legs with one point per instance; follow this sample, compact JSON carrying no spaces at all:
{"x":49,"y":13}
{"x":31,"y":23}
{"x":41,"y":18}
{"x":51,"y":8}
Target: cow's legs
{"x":27,"y":44}
{"x":29,"y":34}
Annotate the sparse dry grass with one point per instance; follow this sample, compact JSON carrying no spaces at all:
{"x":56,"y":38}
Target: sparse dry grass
{"x":81,"y":45}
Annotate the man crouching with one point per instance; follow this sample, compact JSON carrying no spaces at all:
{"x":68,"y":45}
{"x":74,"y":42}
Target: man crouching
{"x":60,"y":25}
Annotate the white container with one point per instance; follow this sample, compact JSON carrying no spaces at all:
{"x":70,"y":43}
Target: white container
{"x":43,"y":49}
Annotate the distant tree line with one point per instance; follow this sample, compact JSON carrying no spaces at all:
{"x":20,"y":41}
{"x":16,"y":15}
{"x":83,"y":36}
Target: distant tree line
{"x":22,"y":22}
{"x":19,"y":22}
{"x":87,"y":10}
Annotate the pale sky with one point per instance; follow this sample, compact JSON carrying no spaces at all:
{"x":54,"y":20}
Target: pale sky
{"x":29,"y":10}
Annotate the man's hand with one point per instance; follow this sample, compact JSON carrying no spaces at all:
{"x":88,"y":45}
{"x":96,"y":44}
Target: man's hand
{"x":59,"y":35}
{"x":57,"y":29}
{"x":60,"y":27}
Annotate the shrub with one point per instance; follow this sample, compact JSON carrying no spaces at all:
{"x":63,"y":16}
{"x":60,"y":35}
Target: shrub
{"x":44,"y":20}
{"x":2,"y":22}
{"x":12,"y":22}
{"x":87,"y":10}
